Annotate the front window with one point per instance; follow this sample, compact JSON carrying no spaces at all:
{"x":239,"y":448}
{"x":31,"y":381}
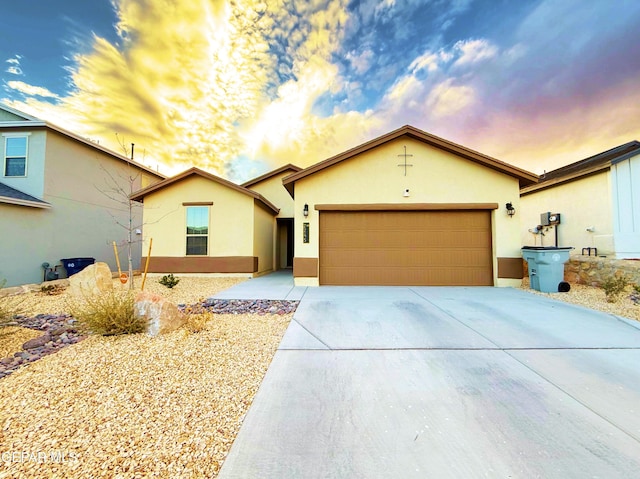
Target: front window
{"x":15,"y":156}
{"x":197,"y":230}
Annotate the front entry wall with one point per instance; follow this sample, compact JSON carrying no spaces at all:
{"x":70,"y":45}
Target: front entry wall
{"x":427,"y":248}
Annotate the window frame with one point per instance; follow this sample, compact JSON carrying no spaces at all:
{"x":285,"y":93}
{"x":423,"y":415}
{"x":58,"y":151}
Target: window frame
{"x":188,"y":235}
{"x":6,"y":157}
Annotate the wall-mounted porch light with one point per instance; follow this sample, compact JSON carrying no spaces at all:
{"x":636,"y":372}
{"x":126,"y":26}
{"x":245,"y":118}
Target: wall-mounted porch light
{"x":510,"y":209}
{"x":305,"y":210}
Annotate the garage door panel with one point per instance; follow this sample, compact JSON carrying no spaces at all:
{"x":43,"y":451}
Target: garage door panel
{"x":406,"y":248}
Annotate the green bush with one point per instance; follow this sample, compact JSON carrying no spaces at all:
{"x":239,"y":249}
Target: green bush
{"x":169,"y":281}
{"x":108,"y":314}
{"x":614,"y":286}
{"x":10,"y":306}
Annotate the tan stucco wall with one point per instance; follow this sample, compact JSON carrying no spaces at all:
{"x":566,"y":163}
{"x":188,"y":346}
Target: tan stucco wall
{"x":435,"y":177}
{"x":231,"y":218}
{"x":582,"y":204}
{"x":263,"y":243}
{"x":273,"y":190}
{"x":24,"y":245}
{"x":78,"y":182}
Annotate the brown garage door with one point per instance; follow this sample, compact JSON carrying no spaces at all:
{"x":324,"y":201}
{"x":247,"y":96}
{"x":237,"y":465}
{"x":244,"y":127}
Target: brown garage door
{"x":431,"y":248}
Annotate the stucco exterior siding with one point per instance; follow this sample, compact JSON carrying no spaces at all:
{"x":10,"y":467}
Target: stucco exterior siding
{"x":89,"y":191}
{"x":230,"y":218}
{"x":263,"y":239}
{"x":73,"y":211}
{"x":436,"y":176}
{"x":582,"y":204}
{"x":273,"y":190}
{"x":24,"y":248}
{"x":83,"y":219}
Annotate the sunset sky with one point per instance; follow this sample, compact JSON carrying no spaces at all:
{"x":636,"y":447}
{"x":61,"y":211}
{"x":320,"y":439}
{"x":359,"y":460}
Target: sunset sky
{"x":241,"y":87}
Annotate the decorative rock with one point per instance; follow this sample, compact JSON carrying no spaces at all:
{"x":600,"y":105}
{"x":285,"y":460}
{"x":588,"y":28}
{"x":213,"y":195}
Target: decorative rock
{"x":63,"y":283}
{"x":95,"y":279}
{"x":163,"y":316}
{"x":37,"y":342}
{"x":61,"y":331}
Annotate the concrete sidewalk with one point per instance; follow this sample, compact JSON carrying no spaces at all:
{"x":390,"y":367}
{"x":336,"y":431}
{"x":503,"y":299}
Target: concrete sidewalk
{"x":277,"y":285}
{"x":445,"y":383}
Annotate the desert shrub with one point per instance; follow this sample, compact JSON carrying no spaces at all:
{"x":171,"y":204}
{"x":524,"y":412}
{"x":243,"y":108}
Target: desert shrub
{"x":169,"y":281}
{"x":10,"y":307}
{"x":197,"y":322}
{"x":614,"y":286}
{"x":108,"y":314}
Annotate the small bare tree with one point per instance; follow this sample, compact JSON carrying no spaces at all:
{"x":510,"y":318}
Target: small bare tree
{"x":122,"y":195}
{"x":121,"y":192}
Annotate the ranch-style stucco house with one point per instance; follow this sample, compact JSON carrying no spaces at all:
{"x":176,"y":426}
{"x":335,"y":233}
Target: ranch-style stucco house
{"x":201,"y":223}
{"x":407,"y":208}
{"x":597,"y":201}
{"x":58,"y":198}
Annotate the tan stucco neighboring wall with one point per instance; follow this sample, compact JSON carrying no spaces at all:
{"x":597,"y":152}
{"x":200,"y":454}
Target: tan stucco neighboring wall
{"x":273,"y":190}
{"x":263,"y":239}
{"x":582,"y":204}
{"x":86,"y":213}
{"x":435,"y":177}
{"x":231,"y":218}
{"x":89,"y":209}
{"x":24,"y":248}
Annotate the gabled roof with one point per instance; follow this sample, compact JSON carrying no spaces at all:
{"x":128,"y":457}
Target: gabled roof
{"x":16,"y":197}
{"x":32,"y":122}
{"x":271,"y":174}
{"x":524,"y":177}
{"x":588,"y":166}
{"x":21,"y":114}
{"x":140,"y":194}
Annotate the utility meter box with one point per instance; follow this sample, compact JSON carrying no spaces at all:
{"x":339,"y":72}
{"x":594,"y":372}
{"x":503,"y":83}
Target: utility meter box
{"x":546,"y":267}
{"x":548,"y":218}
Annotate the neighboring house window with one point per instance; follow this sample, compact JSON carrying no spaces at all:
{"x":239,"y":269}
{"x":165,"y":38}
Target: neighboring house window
{"x":197,"y":230}
{"x":15,"y":156}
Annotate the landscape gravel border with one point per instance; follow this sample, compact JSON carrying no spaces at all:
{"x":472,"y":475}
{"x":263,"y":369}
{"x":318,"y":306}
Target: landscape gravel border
{"x":139,"y":406}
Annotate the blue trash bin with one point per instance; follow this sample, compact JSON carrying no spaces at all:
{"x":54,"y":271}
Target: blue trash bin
{"x":75,"y":265}
{"x":546,"y":267}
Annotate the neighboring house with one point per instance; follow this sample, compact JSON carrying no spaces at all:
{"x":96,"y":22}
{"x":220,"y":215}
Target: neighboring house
{"x":270,"y":186}
{"x":598,"y":202}
{"x":201,"y":223}
{"x":57,"y":198}
{"x":408,"y":208}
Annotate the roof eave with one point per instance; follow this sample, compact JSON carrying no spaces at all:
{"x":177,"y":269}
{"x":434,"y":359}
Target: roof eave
{"x":543,"y":185}
{"x":29,"y":124}
{"x":271,"y":174}
{"x":140,"y":194}
{"x":21,"y":202}
{"x":524,"y":177}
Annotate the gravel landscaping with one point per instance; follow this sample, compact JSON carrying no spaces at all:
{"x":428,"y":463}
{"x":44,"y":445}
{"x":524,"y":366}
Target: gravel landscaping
{"x":139,"y":406}
{"x":594,"y":298}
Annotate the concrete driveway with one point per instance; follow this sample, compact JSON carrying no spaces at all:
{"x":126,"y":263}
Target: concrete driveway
{"x":375,"y":382}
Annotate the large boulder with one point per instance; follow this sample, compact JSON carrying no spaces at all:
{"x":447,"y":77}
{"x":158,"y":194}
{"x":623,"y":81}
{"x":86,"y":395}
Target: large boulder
{"x":93,"y":280}
{"x":162,"y":315}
